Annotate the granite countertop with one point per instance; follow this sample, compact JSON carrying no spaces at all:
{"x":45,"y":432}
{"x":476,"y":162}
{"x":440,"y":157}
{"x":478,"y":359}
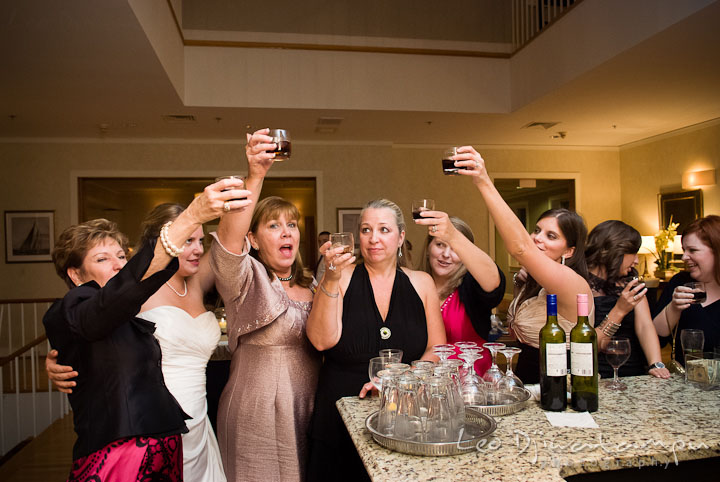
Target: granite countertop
{"x":654,"y":423}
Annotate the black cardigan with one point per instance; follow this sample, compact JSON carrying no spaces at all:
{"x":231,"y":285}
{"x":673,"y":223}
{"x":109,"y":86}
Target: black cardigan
{"x":120,"y":388}
{"x":479,"y":303}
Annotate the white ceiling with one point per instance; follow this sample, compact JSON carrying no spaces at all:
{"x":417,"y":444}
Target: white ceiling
{"x":69,"y":66}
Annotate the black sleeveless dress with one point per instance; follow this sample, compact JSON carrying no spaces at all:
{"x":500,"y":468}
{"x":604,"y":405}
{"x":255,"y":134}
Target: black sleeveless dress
{"x":345,"y":368}
{"x":636,"y":364}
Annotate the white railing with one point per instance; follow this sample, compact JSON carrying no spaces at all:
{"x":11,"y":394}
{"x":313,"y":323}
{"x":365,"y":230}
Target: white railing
{"x":530,"y":17}
{"x":28,"y":402}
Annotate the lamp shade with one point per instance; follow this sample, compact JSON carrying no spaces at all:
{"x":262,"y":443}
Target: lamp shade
{"x":677,"y":245}
{"x":698,"y":178}
{"x":648,"y":245}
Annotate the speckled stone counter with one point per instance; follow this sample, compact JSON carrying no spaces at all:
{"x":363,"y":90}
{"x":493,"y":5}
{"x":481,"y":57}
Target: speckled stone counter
{"x":654,"y":423}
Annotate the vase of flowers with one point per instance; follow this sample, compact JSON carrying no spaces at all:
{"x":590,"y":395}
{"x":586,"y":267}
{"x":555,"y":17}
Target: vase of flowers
{"x":663,"y":247}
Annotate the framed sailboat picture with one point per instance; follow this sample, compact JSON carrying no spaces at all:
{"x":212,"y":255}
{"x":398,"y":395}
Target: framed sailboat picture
{"x":29,"y":236}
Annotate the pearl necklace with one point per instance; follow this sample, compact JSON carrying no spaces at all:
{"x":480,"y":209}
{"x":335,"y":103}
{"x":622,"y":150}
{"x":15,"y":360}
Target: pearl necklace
{"x":175,"y":291}
{"x":286,"y":279}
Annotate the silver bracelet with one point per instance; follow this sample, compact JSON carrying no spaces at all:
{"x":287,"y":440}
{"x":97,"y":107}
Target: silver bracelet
{"x":327,"y":293}
{"x":609,"y":328}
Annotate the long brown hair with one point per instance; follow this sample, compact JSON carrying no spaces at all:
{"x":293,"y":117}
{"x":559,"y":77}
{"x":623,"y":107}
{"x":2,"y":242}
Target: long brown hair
{"x":271,"y":208}
{"x":607,"y":243}
{"x":708,"y":230}
{"x":572,"y":226}
{"x":457,"y":277}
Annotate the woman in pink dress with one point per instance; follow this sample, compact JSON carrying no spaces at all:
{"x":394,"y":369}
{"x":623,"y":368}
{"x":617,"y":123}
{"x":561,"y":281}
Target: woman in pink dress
{"x":468,"y":281}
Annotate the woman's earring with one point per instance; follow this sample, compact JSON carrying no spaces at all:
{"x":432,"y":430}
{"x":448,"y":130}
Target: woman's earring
{"x":399,"y":252}
{"x":562,"y":259}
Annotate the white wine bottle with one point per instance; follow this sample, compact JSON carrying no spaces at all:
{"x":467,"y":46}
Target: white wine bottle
{"x":553,"y":361}
{"x":583,"y":361}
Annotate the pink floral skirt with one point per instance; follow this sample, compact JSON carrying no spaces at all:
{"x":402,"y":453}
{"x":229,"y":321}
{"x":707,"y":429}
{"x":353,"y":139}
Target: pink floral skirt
{"x":138,"y":459}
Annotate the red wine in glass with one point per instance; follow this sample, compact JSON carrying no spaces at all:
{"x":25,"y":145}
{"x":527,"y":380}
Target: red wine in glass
{"x":283,"y":147}
{"x":448,"y":165}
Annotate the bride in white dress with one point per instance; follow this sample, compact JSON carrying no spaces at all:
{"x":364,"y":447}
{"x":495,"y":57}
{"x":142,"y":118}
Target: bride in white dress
{"x":188,"y":334}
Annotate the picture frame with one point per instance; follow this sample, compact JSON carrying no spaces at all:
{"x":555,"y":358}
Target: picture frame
{"x":29,"y":236}
{"x":683,"y":207}
{"x":348,"y":220}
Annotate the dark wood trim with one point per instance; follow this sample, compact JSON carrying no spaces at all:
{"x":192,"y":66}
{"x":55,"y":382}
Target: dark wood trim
{"x":7,"y":359}
{"x":344,"y":48}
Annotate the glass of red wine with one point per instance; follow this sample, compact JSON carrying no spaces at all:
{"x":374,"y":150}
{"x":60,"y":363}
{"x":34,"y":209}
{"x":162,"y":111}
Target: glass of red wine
{"x":617,"y":353}
{"x":698,"y":291}
{"x":283,"y":148}
{"x":420,"y":205}
{"x":448,"y":165}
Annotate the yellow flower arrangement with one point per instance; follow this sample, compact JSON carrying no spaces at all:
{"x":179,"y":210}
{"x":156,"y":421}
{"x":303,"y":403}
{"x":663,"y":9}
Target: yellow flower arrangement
{"x":663,"y":238}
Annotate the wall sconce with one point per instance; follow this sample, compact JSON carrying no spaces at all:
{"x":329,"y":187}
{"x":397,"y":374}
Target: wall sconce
{"x":695,"y":179}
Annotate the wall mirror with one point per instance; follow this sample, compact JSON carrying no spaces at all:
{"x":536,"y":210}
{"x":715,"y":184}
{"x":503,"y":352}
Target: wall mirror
{"x":683,"y":207}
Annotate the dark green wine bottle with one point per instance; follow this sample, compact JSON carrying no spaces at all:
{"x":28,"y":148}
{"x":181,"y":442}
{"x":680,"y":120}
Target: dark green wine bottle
{"x":553,"y":361}
{"x":583,"y":361}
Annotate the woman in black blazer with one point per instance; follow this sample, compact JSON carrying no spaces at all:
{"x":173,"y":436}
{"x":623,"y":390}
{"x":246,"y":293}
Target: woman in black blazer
{"x":128,"y":424}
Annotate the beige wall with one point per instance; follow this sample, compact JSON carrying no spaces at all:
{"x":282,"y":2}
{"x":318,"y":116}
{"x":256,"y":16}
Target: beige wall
{"x":38,"y":176}
{"x":646,"y":169}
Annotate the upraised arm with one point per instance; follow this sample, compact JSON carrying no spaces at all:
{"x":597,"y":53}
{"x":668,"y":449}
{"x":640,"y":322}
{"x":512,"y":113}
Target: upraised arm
{"x":554,"y":277}
{"x":234,"y":226}
{"x":477,"y":262}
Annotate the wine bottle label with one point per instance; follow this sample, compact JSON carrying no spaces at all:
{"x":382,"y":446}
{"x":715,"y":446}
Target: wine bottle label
{"x":581,"y":359}
{"x":555,"y":359}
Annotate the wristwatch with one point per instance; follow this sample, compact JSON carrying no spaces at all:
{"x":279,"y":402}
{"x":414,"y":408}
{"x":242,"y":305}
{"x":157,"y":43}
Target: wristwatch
{"x":656,"y":365}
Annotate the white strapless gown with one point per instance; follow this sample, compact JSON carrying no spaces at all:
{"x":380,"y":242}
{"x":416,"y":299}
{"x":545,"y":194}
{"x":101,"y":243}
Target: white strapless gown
{"x":187,"y":344}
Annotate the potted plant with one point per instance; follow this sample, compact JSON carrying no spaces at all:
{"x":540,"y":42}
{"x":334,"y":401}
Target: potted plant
{"x":663,"y":253}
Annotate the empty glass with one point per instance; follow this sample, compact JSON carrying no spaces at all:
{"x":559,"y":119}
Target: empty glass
{"x":510,"y":380}
{"x":376,"y":364}
{"x":470,"y":355}
{"x":440,"y":420}
{"x":443,"y":351}
{"x":388,"y":401}
{"x":408,"y":425}
{"x":393,"y":354}
{"x":692,"y":342}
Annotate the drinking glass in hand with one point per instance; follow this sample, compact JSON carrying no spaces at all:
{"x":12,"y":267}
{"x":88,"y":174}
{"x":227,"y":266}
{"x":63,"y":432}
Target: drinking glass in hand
{"x":283,"y":148}
{"x":617,"y":353}
{"x":422,"y":205}
{"x":241,"y":186}
{"x":448,"y":165}
{"x":344,"y":241}
{"x":698,"y":291}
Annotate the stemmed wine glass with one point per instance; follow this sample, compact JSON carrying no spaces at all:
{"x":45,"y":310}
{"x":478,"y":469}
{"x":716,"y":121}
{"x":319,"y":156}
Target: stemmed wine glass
{"x":443,"y":351}
{"x":376,"y":365}
{"x":493,"y":375}
{"x":510,"y":380}
{"x":393,"y":354}
{"x":617,"y":352}
{"x":470,"y":355}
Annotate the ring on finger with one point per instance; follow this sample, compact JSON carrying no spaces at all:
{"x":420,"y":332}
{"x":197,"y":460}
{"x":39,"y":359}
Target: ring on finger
{"x":332,"y":267}
{"x":477,"y":164}
{"x":226,"y":206}
{"x":433,"y":229}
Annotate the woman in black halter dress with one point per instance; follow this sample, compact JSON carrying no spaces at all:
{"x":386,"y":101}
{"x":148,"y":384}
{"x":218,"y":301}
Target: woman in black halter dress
{"x":357,"y":311}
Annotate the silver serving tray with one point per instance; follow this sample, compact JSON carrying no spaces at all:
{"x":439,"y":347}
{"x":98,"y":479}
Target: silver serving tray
{"x":511,"y":403}
{"x":478,"y":426}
